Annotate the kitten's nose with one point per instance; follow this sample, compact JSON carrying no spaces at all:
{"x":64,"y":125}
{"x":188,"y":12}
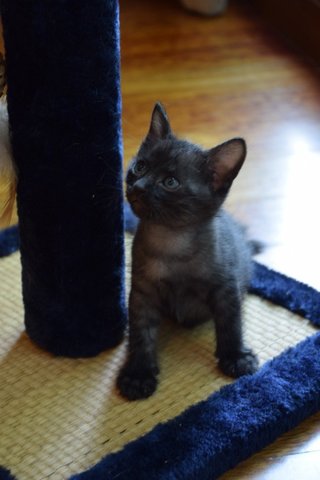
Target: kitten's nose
{"x":136,"y":191}
{"x":139,"y":187}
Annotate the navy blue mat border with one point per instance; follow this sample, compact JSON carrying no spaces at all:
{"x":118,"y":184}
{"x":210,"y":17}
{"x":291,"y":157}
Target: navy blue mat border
{"x":287,"y":292}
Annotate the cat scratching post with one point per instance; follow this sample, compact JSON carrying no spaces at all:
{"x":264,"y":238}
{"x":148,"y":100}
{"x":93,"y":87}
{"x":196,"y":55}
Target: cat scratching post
{"x":64,"y":113}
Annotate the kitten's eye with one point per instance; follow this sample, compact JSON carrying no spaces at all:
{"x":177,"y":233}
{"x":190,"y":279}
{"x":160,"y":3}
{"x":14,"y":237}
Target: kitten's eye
{"x":171,"y":183}
{"x":140,"y":167}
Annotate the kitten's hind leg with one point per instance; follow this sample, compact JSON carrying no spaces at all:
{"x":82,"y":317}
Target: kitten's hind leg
{"x":234,"y":358}
{"x":138,"y":376}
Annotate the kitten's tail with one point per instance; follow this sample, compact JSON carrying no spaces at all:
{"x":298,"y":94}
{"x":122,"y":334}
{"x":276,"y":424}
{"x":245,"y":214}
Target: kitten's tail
{"x":256,"y":246}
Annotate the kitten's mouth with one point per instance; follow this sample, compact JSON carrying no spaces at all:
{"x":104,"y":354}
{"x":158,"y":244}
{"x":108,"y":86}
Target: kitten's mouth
{"x":137,"y":205}
{"x":134,"y":197}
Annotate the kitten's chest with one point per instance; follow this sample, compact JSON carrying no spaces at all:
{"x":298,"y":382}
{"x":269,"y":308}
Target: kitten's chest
{"x":175,"y":271}
{"x":156,"y":270}
{"x":181,"y":289}
{"x":159,"y":241}
{"x":160,"y":255}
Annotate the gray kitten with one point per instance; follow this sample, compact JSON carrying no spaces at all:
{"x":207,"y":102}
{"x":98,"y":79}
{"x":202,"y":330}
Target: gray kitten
{"x":190,"y":259}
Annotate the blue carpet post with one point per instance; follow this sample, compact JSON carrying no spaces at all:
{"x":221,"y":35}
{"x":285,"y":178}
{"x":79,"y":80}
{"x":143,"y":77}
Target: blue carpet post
{"x":65,"y":118}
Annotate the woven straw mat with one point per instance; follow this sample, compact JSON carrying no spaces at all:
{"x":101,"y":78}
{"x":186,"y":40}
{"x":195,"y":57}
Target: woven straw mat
{"x":60,"y":416}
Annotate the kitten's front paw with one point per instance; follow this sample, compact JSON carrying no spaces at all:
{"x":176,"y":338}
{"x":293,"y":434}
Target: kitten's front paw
{"x":135,"y":384}
{"x":243,"y":363}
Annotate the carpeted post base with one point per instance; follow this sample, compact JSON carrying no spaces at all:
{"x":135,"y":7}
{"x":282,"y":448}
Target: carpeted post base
{"x":65,"y":117}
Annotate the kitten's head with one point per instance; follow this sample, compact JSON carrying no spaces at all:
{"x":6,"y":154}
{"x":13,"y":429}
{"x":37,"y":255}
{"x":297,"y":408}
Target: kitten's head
{"x":174,"y":182}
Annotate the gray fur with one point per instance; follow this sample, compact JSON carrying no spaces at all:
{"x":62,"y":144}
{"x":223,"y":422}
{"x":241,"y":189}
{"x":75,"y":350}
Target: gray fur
{"x":190,"y":259}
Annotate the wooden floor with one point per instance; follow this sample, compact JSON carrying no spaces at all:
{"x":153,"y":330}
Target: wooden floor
{"x":233,"y":76}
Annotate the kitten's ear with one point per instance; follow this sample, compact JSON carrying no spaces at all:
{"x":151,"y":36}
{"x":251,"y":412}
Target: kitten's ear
{"x":159,"y":126}
{"x":225,"y":162}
